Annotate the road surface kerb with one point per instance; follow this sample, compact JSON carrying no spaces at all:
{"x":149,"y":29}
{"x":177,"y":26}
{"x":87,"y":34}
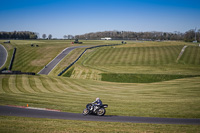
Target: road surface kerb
{"x":36,"y":108}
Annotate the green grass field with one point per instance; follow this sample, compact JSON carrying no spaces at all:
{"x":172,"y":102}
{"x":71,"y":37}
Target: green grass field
{"x":33,"y":59}
{"x":142,"y":59}
{"x":174,"y":98}
{"x":24,"y":125}
{"x":177,"y":98}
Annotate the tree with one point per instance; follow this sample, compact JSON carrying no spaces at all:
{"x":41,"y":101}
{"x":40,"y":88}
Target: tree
{"x":70,"y":37}
{"x":49,"y":36}
{"x":65,"y":36}
{"x":44,"y":36}
{"x":189,"y":36}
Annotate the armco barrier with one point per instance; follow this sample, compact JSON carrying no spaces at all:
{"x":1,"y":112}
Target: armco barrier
{"x":82,"y":54}
{"x":16,"y":72}
{"x":12,"y":59}
{"x":3,"y":69}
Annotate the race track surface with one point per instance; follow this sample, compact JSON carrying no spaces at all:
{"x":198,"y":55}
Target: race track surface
{"x":3,"y":55}
{"x":27,"y":112}
{"x":57,"y":59}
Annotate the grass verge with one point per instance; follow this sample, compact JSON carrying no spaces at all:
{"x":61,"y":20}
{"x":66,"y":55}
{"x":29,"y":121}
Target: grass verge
{"x":10,"y":124}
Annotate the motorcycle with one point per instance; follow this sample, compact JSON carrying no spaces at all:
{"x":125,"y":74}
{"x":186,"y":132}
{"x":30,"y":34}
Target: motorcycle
{"x":91,"y":108}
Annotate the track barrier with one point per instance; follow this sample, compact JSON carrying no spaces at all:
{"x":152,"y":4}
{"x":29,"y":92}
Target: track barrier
{"x":12,"y":59}
{"x":16,"y":72}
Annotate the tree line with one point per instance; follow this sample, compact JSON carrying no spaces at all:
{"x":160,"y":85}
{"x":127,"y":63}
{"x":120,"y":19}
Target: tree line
{"x":188,"y":36}
{"x":44,"y":36}
{"x":18,"y":35}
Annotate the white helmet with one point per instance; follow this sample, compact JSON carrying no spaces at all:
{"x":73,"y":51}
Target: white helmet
{"x":97,"y":99}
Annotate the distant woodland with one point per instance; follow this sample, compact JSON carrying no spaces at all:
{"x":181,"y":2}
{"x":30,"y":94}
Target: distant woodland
{"x":188,"y":36}
{"x":18,"y":35}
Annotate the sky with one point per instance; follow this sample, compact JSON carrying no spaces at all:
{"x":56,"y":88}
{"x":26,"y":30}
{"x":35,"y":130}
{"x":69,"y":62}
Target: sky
{"x":75,"y":17}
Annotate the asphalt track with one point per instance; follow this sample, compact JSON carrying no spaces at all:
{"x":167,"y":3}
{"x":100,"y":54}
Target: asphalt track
{"x":57,"y":59}
{"x":36,"y":113}
{"x":3,"y":55}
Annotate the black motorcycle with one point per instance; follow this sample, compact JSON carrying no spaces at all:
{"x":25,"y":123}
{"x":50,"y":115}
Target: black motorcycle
{"x":97,"y":110}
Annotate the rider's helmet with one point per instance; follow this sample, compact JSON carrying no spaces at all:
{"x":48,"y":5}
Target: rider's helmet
{"x":97,"y":99}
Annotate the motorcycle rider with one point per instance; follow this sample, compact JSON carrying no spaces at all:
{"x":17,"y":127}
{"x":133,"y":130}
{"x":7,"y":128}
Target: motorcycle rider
{"x":97,"y":103}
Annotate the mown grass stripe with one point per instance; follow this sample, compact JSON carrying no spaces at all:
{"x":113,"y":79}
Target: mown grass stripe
{"x":151,"y":56}
{"x":121,"y":57}
{"x":161,"y":55}
{"x":170,"y":54}
{"x":12,"y":84}
{"x":39,"y":84}
{"x":26,"y":84}
{"x":109,"y":57}
{"x":54,"y":85}
{"x":113,"y":57}
{"x":79,"y":71}
{"x":5,"y":84}
{"x":138,"y":55}
{"x":19,"y":84}
{"x":85,"y":87}
{"x":197,"y":61}
{"x":1,"y":85}
{"x":146,"y":56}
{"x":129,"y":56}
{"x":141,"y":56}
{"x":46,"y":82}
{"x":99,"y":57}
{"x":73,"y":88}
{"x":154,"y":56}
{"x":62,"y":86}
{"x":176,"y":50}
{"x":94,"y":53}
{"x":185,"y":56}
{"x":68,"y":87}
{"x":191,"y":59}
{"x":32,"y":84}
{"x":166,"y":56}
{"x":194,"y":56}
{"x":134,"y":56}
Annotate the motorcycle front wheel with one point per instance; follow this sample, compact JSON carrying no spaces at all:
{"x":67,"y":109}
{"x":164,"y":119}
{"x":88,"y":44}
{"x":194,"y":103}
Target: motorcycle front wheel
{"x":101,"y":112}
{"x":86,"y":111}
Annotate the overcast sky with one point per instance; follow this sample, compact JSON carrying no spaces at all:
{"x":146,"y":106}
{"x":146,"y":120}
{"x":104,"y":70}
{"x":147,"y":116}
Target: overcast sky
{"x":63,"y":17}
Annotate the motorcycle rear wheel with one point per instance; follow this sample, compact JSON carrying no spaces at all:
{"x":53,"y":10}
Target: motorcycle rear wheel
{"x":101,"y":112}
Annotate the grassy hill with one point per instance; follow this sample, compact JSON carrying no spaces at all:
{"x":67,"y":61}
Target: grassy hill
{"x":33,"y":59}
{"x":175,"y":98}
{"x":139,"y":58}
